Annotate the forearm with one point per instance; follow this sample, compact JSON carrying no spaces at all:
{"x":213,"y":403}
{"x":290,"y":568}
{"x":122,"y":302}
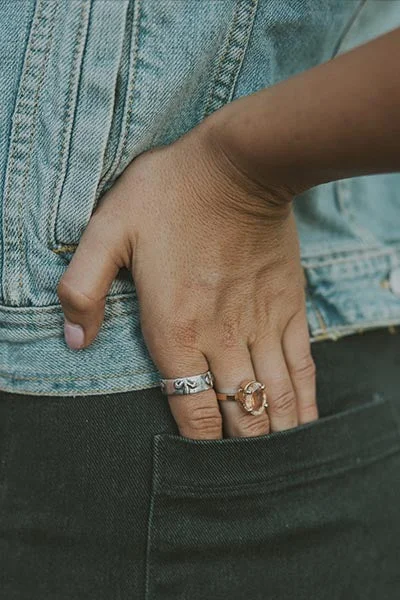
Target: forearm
{"x":339,"y":119}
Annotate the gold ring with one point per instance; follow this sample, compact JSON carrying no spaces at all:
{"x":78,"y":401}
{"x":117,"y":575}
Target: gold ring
{"x":250,"y":395}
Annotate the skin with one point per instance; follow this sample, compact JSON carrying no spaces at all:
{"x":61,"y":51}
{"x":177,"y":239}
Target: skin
{"x":339,"y":119}
{"x":215,"y":260}
{"x":207,"y":229}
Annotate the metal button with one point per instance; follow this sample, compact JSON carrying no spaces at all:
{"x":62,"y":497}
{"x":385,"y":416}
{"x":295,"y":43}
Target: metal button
{"x":394,"y":281}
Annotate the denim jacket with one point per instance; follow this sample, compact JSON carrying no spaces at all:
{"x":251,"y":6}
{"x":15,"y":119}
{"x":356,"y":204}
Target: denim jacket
{"x":88,"y":85}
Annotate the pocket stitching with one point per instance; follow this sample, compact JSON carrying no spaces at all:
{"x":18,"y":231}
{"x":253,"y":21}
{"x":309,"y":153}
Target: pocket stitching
{"x":380,"y":411}
{"x":312,"y":472}
{"x":120,"y":153}
{"x":156,"y":508}
{"x":22,"y":136}
{"x":228,"y":66}
{"x":68,"y":120}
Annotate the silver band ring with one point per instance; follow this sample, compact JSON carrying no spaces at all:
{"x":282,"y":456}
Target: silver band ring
{"x":187,"y":385}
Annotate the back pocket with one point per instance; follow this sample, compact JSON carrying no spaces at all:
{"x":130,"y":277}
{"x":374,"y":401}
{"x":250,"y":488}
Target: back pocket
{"x":287,"y":515}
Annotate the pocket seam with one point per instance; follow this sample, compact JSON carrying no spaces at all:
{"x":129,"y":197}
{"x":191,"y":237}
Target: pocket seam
{"x":24,"y":123}
{"x":156,"y":509}
{"x":169,"y":448}
{"x":308,"y":474}
{"x":68,"y":121}
{"x":5,"y":458}
{"x":112,"y":172}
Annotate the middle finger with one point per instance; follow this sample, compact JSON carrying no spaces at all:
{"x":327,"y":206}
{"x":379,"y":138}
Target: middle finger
{"x":230,"y":368}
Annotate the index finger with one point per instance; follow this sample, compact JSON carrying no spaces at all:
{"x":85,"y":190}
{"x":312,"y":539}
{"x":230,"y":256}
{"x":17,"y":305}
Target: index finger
{"x":197,"y":414}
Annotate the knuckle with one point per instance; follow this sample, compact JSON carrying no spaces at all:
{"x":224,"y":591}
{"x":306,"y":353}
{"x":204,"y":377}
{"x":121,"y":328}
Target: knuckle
{"x":185,"y":333}
{"x":304,"y":369}
{"x":205,"y":421}
{"x":229,"y":332}
{"x":74,"y":299}
{"x":251,"y":426}
{"x":283,"y":403}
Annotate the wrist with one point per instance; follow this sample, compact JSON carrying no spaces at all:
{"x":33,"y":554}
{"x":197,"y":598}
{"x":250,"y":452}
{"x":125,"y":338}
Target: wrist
{"x":320,"y":125}
{"x":222,"y":134}
{"x":256,"y":153}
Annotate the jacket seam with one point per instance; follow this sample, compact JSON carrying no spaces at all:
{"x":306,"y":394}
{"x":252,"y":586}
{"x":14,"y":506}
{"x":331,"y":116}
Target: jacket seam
{"x":358,"y":327}
{"x":230,"y":61}
{"x":68,"y":119}
{"x":22,"y":135}
{"x":348,"y":27}
{"x":354,"y":256}
{"x":74,"y":377}
{"x":120,"y":152}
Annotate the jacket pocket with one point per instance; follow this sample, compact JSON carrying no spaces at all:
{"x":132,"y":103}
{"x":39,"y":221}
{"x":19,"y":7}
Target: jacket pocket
{"x":89,"y":103}
{"x":290,"y":514}
{"x":101,"y":83}
{"x":190,"y":51}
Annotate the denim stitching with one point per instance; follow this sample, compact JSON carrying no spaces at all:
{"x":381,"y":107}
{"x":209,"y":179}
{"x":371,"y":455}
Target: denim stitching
{"x":7,"y":375}
{"x":6,"y":453}
{"x":350,"y":251}
{"x":28,"y":101}
{"x":281,"y":482}
{"x":71,"y":101}
{"x":149,"y":538}
{"x":318,"y":315}
{"x":356,"y":256}
{"x":228,"y":66}
{"x":341,"y":454}
{"x":132,"y":87}
{"x":357,"y":327}
{"x":128,"y":109}
{"x":86,"y":392}
{"x":344,"y":205}
{"x":46,"y":311}
{"x":220,"y":62}
{"x":348,"y":27}
{"x":25,"y":171}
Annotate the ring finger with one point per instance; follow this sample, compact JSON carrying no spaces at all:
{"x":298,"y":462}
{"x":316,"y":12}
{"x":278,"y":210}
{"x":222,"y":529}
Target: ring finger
{"x":230,"y":369}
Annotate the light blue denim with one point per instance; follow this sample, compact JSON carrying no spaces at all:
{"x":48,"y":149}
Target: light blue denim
{"x":88,"y":85}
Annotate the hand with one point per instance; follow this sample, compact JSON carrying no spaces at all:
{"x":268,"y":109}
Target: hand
{"x":215,"y":260}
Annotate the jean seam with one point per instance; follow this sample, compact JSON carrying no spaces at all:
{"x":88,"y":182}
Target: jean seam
{"x":120,"y":153}
{"x":304,"y":474}
{"x":129,"y":387}
{"x":345,"y":206}
{"x":73,"y":378}
{"x":348,"y":27}
{"x":68,"y":120}
{"x":153,"y":497}
{"x":4,"y":460}
{"x":348,"y":256}
{"x":22,"y":135}
{"x":228,"y":65}
{"x":358,"y":327}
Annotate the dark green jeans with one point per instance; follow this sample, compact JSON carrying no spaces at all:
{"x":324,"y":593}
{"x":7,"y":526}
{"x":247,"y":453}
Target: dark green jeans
{"x":101,"y":499}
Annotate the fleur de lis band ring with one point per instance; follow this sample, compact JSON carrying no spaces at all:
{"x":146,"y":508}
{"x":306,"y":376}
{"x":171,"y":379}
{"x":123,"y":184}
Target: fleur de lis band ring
{"x":187,"y":385}
{"x":250,"y":396}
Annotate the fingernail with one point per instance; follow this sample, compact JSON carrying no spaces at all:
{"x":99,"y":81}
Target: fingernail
{"x":74,"y":335}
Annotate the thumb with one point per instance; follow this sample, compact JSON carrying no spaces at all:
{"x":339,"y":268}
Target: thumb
{"x":83,"y":288}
